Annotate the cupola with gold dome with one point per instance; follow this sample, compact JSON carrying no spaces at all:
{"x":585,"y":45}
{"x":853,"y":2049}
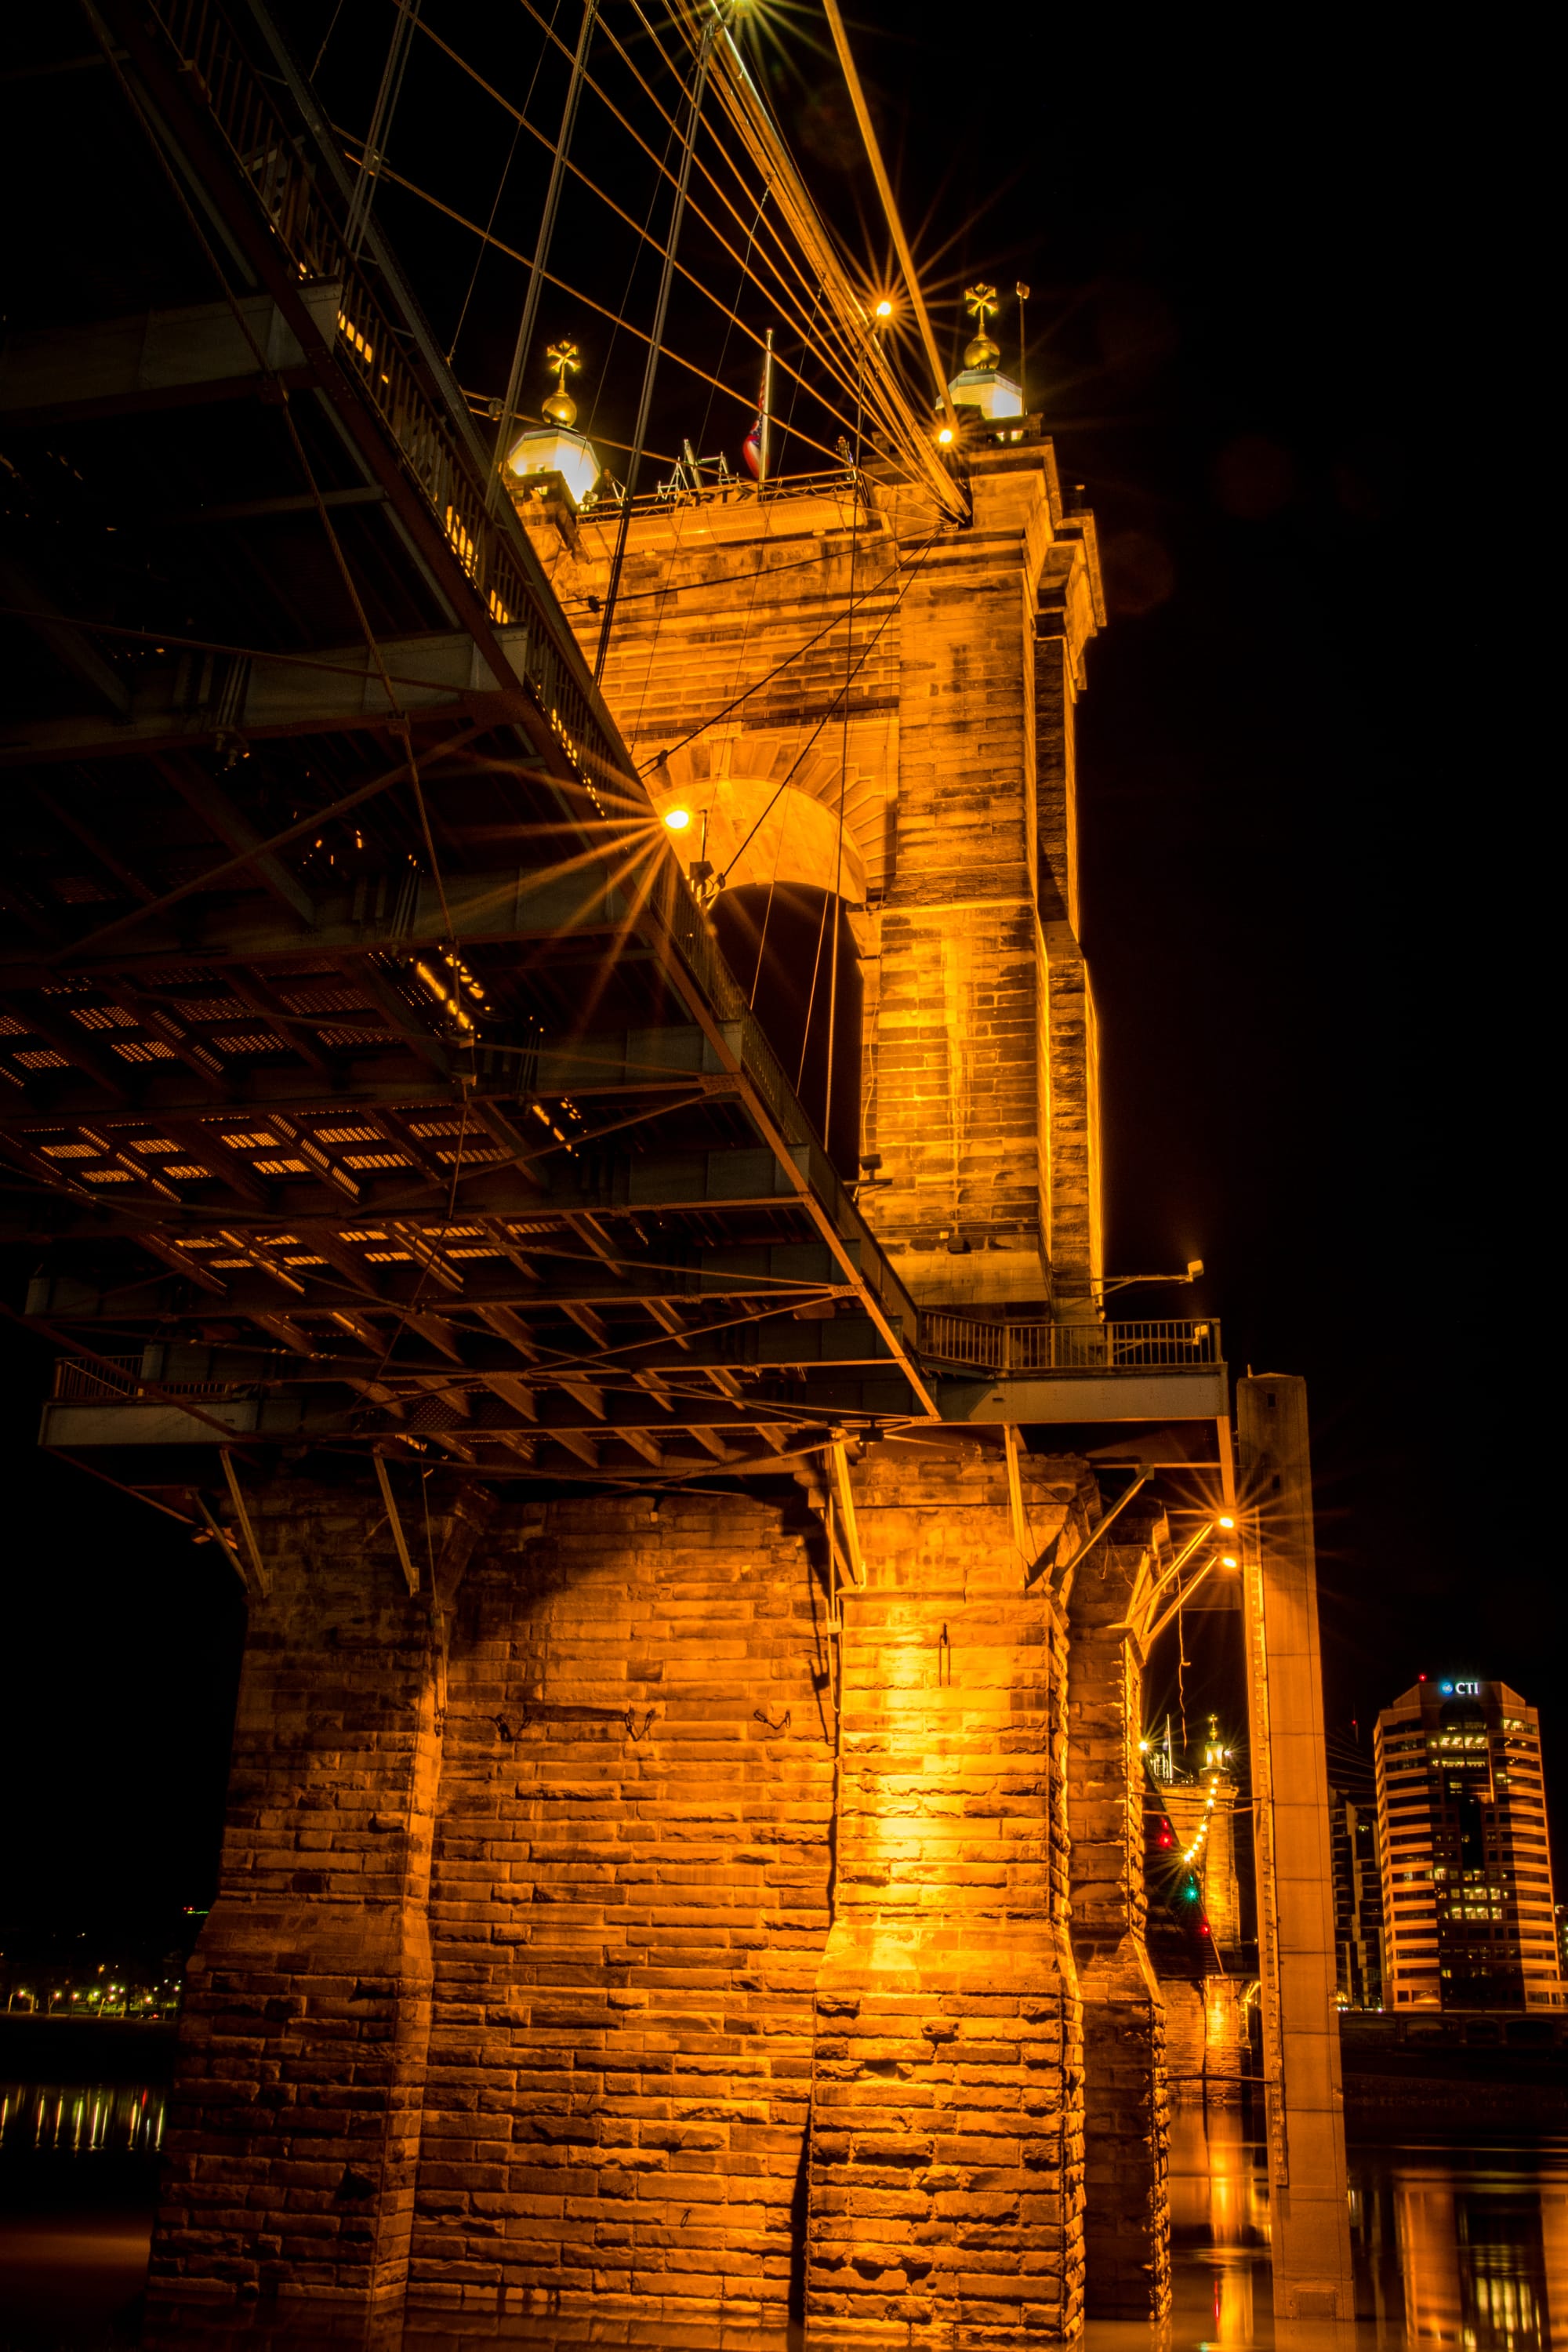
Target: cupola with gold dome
{"x":555,"y":448}
{"x":979,"y":384}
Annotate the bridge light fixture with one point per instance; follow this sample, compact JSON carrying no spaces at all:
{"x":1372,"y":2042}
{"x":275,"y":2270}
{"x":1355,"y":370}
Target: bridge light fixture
{"x":945,"y":436}
{"x":1228,"y":1559}
{"x":678,"y":819}
{"x":1224,"y":1520}
{"x":884,"y":309}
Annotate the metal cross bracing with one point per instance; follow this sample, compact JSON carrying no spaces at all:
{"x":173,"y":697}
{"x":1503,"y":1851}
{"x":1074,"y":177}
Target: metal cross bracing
{"x":369,"y":1078}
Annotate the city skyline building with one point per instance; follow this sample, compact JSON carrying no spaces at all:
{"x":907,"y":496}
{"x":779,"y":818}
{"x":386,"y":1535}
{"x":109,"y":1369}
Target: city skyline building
{"x":1206,"y":2016}
{"x":1464,"y":1856}
{"x":1358,"y":1897}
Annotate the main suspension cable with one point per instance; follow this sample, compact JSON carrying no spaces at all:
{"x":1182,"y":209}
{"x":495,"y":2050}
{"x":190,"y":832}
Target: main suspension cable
{"x":841,"y":369}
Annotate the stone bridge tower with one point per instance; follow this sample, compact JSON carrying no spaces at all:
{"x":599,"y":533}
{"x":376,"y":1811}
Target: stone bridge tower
{"x":683,"y":1845}
{"x":895,"y":707}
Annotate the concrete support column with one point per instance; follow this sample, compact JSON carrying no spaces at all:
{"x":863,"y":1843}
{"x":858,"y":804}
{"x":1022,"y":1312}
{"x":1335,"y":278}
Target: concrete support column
{"x":1311,"y":2223}
{"x":945,"y":2156}
{"x":1127,"y":2235}
{"x":289,"y":2165}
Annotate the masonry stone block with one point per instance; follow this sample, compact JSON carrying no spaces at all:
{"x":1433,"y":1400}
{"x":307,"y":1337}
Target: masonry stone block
{"x":1127,"y":2221}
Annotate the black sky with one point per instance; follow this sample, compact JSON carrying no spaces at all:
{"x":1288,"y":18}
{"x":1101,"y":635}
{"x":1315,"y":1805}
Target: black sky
{"x":1318,"y":944}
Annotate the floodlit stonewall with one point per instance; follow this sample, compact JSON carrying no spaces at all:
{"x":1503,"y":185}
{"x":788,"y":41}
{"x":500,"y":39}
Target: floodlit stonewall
{"x":541,"y":1980}
{"x":299,"y":2097}
{"x":946,"y":2157}
{"x":665,"y":1924}
{"x":1127,"y":2228}
{"x":948,"y":664}
{"x":628,"y":1906}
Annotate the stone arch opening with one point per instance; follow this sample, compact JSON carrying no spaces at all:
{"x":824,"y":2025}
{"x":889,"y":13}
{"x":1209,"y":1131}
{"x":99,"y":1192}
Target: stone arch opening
{"x":787,"y":876}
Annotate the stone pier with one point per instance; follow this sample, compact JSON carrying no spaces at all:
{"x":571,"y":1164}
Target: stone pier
{"x":1127,"y":2225}
{"x":946,"y":2154}
{"x":664,"y":1920}
{"x":299,"y":2099}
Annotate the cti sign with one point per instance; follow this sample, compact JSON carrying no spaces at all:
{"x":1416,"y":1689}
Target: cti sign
{"x":1466,"y":1689}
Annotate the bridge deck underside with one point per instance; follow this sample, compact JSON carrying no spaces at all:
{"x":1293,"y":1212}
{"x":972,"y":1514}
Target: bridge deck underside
{"x":369,"y":1078}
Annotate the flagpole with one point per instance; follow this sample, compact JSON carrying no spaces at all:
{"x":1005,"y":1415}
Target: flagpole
{"x":764,"y":447}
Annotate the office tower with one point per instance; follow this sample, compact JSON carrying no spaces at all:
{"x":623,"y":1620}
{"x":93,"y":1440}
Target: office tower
{"x":1358,"y":1897}
{"x":1466,"y":1870}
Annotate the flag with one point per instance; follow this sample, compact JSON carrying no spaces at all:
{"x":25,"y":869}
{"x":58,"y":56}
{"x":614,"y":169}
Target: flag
{"x":752,"y":449}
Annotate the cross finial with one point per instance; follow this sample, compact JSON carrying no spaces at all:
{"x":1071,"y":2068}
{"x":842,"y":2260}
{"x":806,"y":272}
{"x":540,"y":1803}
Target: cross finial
{"x":559,"y":407}
{"x":980,"y":301}
{"x":980,"y":350}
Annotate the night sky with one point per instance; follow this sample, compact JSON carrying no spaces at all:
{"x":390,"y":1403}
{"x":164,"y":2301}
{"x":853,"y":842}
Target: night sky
{"x":1318,"y":962}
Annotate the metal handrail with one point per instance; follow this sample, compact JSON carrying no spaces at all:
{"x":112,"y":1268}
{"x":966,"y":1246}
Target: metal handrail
{"x":252,"y":127}
{"x":116,"y":1376}
{"x":1179,"y":1344}
{"x":842,"y":481}
{"x":247,"y":117}
{"x":293,"y":197}
{"x":117,"y":1379}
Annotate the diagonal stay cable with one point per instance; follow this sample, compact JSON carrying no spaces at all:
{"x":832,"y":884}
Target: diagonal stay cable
{"x":616,"y":318}
{"x":841,"y":371}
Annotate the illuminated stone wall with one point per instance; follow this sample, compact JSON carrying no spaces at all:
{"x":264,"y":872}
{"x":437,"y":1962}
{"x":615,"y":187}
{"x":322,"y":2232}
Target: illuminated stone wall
{"x":1127,"y":2218}
{"x":541,"y":1975}
{"x":628,"y":1906}
{"x":947,"y":2148}
{"x":936,"y":673}
{"x":1207,"y":2019}
{"x":653,"y":1928}
{"x":299,"y":2097}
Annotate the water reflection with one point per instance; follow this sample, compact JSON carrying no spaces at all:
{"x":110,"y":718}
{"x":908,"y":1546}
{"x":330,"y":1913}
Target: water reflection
{"x":1455,"y":2246}
{"x":1481,"y":2243}
{"x":80,"y":2120}
{"x":1452,"y":2246}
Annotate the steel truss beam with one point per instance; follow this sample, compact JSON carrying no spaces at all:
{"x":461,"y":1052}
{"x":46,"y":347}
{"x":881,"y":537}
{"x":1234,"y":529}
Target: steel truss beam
{"x":513,"y":908}
{"x":675,"y":1183}
{"x":508,"y":659}
{"x":338,"y":690}
{"x":66,"y":1299}
{"x":297,"y":1420}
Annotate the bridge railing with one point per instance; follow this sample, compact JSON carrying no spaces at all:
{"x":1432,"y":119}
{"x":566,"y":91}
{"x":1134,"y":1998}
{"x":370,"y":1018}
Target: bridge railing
{"x":1036,"y":1348}
{"x":295,"y":200}
{"x":832,"y":482}
{"x":117,"y":1379}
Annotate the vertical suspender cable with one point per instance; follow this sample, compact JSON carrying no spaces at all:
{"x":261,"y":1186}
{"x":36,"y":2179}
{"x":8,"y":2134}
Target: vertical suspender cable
{"x":645,"y":406}
{"x":844,"y":781}
{"x":542,"y":251}
{"x":377,"y":136}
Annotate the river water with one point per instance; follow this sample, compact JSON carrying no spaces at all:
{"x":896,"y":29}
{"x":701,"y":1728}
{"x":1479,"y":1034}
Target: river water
{"x":1461,"y":2244}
